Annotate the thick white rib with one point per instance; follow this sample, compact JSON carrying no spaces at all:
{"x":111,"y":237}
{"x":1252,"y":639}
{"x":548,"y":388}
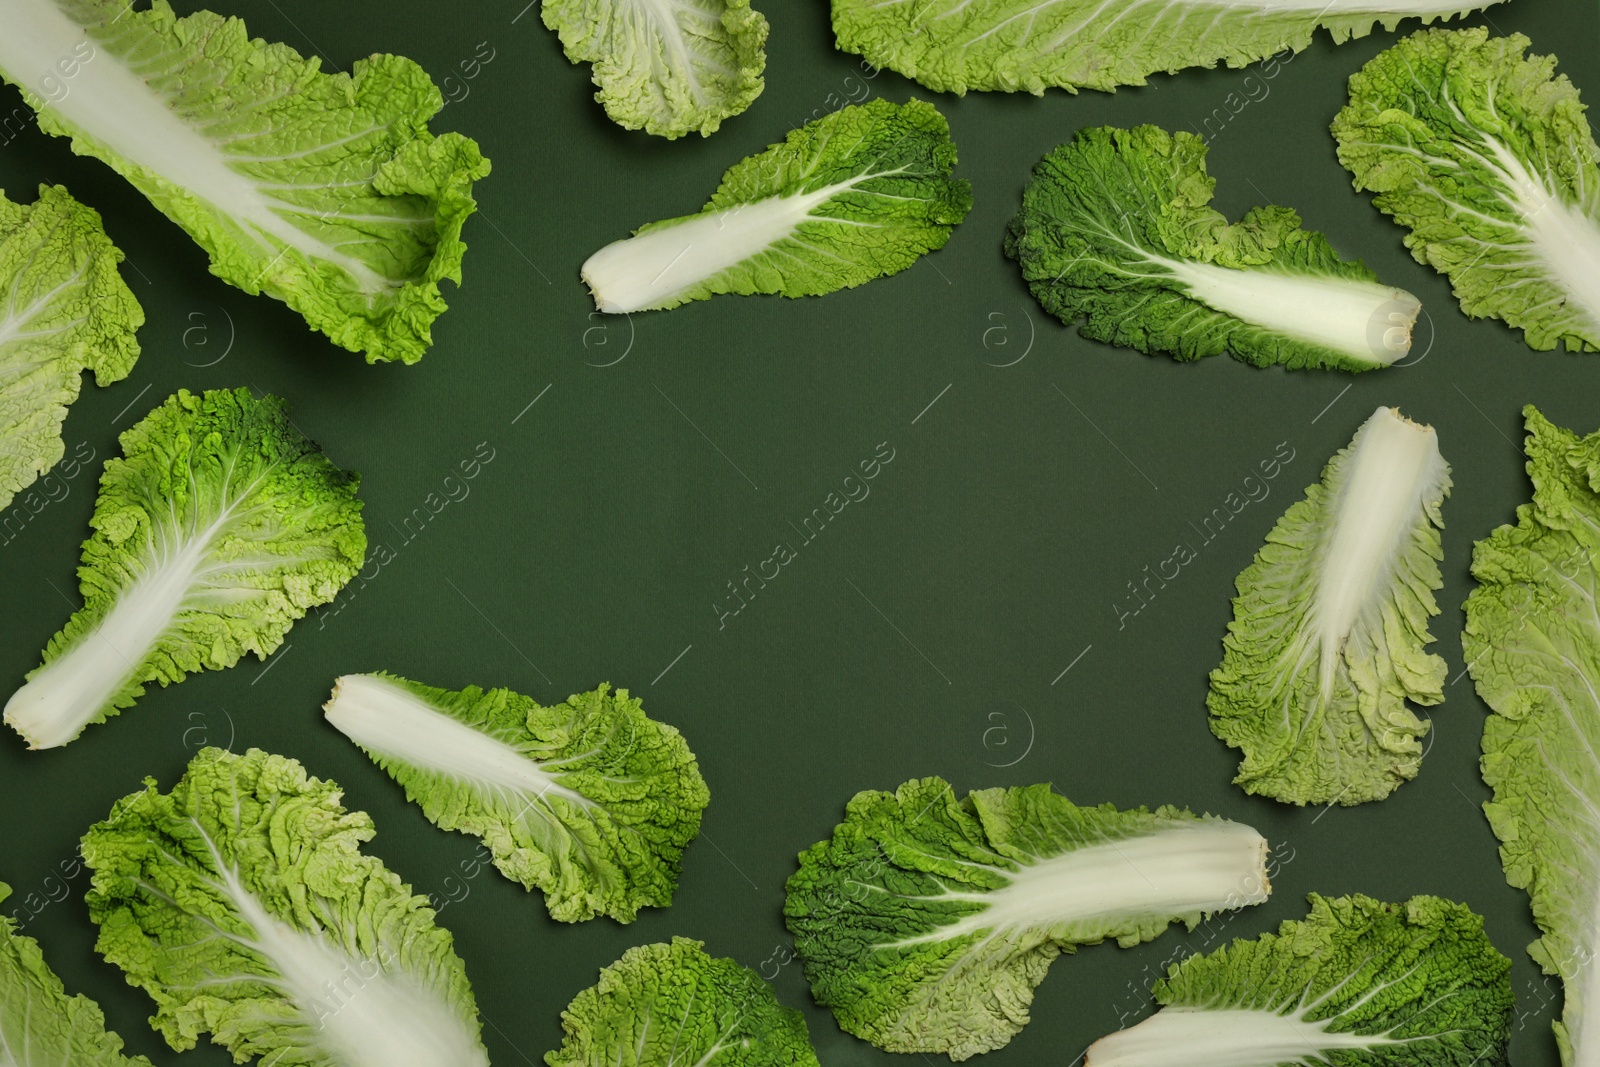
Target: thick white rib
{"x":1565,"y":239}
{"x":58,"y":702}
{"x":1582,"y":990}
{"x":643,"y":272}
{"x":1392,"y":469}
{"x":1235,"y":1037}
{"x":1182,"y":867}
{"x":1366,"y":321}
{"x":391,"y":721}
{"x":363,"y":1014}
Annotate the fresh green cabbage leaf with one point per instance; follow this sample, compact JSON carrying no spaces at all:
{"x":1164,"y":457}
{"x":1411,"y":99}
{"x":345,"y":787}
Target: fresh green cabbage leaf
{"x":64,"y":310}
{"x":325,"y":191}
{"x":590,"y":800}
{"x":672,"y":1005}
{"x":217,"y":529}
{"x":1033,"y":45}
{"x":853,"y":196}
{"x":1485,"y":156}
{"x":669,"y":67}
{"x":1116,"y":228}
{"x":1358,"y":983}
{"x":1532,"y":643}
{"x":1330,"y":628}
{"x":40,"y":1026}
{"x":241,"y":903}
{"x":927,"y":920}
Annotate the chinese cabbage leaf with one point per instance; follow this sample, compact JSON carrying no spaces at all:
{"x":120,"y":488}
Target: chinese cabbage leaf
{"x":40,"y":1026}
{"x":1485,"y":156}
{"x":1033,"y":45}
{"x":669,"y":67}
{"x":217,"y":529}
{"x":590,"y":800}
{"x":1330,"y":628}
{"x":325,"y":191}
{"x":927,"y":920}
{"x":673,"y":1005}
{"x":1532,"y":643}
{"x":1117,"y":229}
{"x":856,"y":195}
{"x":1358,"y":983}
{"x":242,"y":904}
{"x":64,"y":309}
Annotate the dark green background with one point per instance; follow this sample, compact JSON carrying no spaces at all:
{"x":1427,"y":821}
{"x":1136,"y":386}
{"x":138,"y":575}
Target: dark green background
{"x":925,"y":632}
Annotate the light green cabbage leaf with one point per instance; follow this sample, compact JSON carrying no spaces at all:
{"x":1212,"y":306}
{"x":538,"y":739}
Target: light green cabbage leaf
{"x":1485,"y":156}
{"x":40,"y":1026}
{"x":219,"y":527}
{"x":590,"y":801}
{"x":1532,"y":643}
{"x":241,"y":903}
{"x":64,"y":309}
{"x":1329,"y":637}
{"x":1033,"y":45}
{"x":1117,"y":228}
{"x":325,"y":191}
{"x":927,"y":920}
{"x":668,"y":67}
{"x":672,"y":1005}
{"x":855,"y":195}
{"x":1358,"y":983}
